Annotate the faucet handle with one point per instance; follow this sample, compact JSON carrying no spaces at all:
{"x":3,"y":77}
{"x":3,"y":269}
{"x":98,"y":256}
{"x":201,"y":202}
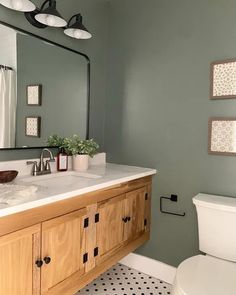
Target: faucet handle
{"x":35,"y":168}
{"x":47,"y":166}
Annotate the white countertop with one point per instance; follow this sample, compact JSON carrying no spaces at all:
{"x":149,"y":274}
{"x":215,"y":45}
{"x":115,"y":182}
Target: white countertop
{"x":111,"y":174}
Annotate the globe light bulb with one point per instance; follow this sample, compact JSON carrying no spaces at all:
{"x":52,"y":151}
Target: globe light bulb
{"x":77,"y":34}
{"x":17,"y":4}
{"x":50,"y":19}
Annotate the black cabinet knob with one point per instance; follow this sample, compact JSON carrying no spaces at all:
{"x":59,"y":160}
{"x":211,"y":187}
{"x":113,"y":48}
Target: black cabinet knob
{"x":47,"y":259}
{"x":39,"y":263}
{"x":125,"y":219}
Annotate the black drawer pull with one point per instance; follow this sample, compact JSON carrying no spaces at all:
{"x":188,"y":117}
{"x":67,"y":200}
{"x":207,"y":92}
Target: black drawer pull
{"x":39,"y":263}
{"x":47,"y":259}
{"x":125,"y":219}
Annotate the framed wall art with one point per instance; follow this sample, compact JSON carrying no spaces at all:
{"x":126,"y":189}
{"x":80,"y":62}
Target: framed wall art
{"x":223,"y":79}
{"x":34,"y":95}
{"x":222,"y":136}
{"x":33,"y":126}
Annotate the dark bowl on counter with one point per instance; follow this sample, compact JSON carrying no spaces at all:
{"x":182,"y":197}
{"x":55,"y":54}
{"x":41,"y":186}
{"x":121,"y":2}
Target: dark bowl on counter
{"x":8,"y":176}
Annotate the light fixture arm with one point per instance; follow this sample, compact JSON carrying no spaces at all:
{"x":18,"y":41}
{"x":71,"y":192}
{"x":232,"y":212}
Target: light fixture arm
{"x":52,"y":3}
{"x":78,"y":17}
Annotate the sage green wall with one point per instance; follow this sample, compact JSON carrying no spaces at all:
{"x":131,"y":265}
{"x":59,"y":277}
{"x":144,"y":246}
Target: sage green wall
{"x":95,"y":14}
{"x":158,"y":108}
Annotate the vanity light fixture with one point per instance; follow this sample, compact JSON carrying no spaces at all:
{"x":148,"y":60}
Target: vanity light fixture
{"x":20,"y":5}
{"x":50,"y":16}
{"x":76,"y":29}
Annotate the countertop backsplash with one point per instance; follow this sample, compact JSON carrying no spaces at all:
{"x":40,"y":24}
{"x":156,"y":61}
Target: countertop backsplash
{"x":24,"y":169}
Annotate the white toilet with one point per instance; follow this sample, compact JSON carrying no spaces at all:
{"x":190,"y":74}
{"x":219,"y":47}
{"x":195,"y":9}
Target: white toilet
{"x":215,"y":272}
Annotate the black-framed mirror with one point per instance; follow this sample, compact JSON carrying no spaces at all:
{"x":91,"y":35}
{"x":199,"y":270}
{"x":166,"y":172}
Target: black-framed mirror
{"x":44,"y":90}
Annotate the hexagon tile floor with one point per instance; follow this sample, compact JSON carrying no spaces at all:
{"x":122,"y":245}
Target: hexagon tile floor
{"x":121,"y":280}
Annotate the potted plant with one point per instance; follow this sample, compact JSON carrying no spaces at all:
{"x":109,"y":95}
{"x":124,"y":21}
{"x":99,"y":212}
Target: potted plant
{"x":80,"y":150}
{"x":56,"y":141}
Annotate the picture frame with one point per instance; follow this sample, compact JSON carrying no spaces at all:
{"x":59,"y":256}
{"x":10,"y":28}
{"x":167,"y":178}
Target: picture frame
{"x":222,"y":136}
{"x":223,"y":79}
{"x":34,"y":95}
{"x":33,"y":126}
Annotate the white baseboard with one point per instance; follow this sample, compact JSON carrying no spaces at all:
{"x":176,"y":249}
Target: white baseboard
{"x":150,"y":267}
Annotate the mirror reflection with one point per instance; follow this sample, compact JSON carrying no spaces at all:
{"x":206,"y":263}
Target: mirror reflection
{"x":43,"y":91}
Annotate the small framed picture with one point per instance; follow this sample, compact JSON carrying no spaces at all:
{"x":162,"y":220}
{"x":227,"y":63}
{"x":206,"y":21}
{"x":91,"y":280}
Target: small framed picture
{"x":222,"y":136}
{"x":223,"y":79}
{"x":33,"y":126}
{"x":34,"y":95}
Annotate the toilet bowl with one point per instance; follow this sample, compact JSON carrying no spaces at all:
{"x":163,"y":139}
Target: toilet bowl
{"x":215,"y":272}
{"x":205,"y":275}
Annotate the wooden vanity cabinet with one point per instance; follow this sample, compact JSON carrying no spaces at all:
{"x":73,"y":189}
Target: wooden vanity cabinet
{"x":62,"y":248}
{"x":110,"y":227}
{"x":121,"y":219}
{"x":18,"y":253}
{"x":135,"y":210}
{"x":59,"y":256}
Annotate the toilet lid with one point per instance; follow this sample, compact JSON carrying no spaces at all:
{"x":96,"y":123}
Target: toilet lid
{"x":205,"y":275}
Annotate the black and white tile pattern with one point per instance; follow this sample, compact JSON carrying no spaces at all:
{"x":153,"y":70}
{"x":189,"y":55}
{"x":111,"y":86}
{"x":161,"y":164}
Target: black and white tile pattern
{"x":121,"y":280}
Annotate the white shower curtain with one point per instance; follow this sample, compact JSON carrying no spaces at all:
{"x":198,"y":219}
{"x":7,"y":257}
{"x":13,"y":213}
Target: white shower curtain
{"x":7,"y":108}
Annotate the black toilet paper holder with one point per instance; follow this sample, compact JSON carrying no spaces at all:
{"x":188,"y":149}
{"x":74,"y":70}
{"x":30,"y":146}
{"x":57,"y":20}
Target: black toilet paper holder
{"x":173,"y":198}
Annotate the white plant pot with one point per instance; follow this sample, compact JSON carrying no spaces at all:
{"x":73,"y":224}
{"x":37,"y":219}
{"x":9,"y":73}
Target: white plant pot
{"x":80,"y":162}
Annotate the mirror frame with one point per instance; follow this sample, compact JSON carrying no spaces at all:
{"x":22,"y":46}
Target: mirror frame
{"x":88,"y":80}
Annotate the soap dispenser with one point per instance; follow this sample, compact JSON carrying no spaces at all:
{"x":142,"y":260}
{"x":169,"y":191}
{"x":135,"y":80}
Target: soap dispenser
{"x":62,"y":160}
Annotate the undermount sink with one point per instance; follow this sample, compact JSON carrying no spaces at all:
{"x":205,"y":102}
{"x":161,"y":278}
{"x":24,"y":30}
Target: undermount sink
{"x":61,"y":179}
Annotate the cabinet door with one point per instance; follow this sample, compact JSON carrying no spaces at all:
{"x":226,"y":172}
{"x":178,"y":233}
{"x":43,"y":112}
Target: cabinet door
{"x":18,"y":253}
{"x":135,"y":211}
{"x":110,"y":228}
{"x":63,"y":246}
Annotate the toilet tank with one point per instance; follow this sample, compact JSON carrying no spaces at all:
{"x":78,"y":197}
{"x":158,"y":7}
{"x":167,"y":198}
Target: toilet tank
{"x":217,"y":225}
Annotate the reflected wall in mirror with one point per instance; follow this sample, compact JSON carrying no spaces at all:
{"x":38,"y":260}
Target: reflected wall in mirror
{"x":34,"y":95}
{"x":222,"y":136}
{"x":63,"y":75}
